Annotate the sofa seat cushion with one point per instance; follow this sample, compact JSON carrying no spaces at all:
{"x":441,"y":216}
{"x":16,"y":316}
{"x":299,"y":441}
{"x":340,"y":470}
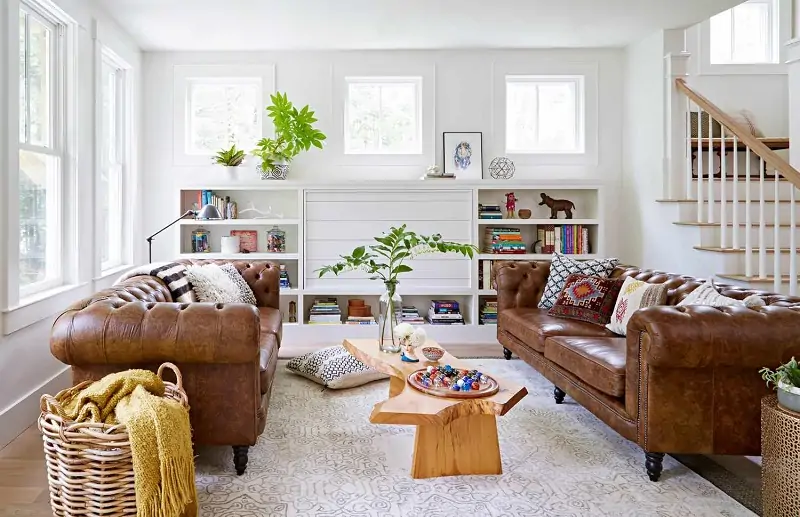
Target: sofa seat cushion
{"x":534,"y":326}
{"x":271,"y":322}
{"x":599,"y":362}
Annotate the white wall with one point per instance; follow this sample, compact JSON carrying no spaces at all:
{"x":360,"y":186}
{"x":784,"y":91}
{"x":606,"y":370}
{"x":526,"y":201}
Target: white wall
{"x":465,"y":100}
{"x":27,"y":369}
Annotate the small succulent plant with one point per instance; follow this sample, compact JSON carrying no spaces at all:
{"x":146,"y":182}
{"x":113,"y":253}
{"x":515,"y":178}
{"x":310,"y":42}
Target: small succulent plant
{"x":232,"y":157}
{"x":787,"y":374}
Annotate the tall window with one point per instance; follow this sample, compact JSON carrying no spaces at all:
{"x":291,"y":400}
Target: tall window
{"x":544,"y":114}
{"x":41,"y":150}
{"x":746,"y":34}
{"x":383,"y":115}
{"x":114,"y":136}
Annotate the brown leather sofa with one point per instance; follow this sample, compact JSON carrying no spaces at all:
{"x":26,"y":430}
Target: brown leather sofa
{"x":227,"y":354}
{"x":684,"y":380}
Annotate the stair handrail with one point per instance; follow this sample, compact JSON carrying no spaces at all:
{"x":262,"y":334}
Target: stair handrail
{"x":769,"y":156}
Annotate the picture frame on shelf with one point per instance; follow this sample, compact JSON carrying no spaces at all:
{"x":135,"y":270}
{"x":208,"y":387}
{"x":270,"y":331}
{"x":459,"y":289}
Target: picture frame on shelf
{"x":248,"y":240}
{"x":462,"y":155}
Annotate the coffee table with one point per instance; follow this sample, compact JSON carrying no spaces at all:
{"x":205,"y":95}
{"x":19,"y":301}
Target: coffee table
{"x":455,"y":437}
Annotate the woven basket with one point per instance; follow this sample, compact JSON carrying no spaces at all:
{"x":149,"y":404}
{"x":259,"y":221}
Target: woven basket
{"x":90,"y":466}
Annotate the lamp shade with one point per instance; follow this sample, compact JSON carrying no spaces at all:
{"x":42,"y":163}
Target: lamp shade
{"x":209,"y":212}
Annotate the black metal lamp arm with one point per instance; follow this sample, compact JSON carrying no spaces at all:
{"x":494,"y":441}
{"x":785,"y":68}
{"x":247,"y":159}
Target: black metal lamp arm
{"x":150,"y":239}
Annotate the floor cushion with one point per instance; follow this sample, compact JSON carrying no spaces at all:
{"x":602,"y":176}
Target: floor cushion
{"x":599,"y":362}
{"x":334,"y":368}
{"x":534,"y":326}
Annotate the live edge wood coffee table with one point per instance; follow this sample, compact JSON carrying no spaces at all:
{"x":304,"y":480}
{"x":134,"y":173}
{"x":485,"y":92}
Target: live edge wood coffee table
{"x":454,"y":437}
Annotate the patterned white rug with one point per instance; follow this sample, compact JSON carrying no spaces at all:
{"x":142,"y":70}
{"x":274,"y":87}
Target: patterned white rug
{"x":320,"y":456}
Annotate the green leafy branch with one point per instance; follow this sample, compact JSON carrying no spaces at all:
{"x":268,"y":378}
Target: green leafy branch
{"x":294,"y":132}
{"x":788,"y":373}
{"x":232,"y":157}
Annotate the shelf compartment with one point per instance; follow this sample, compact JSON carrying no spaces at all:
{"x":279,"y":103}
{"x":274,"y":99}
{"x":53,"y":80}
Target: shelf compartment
{"x":277,"y":257}
{"x":239,"y":222}
{"x":522,"y":222}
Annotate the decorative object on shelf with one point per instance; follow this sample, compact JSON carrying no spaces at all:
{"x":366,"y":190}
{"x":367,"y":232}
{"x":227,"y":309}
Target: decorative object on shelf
{"x":230,"y":244}
{"x":260,"y":214}
{"x":384,"y":261}
{"x":525,"y":213}
{"x":248,"y":240}
{"x":511,"y":205}
{"x":780,"y":459}
{"x":410,"y":338}
{"x":537,"y":247}
{"x":285,"y":283}
{"x":432,"y":353}
{"x":463,"y":155}
{"x":786,"y":380}
{"x":294,"y":133}
{"x":276,"y":240}
{"x":200,"y":242}
{"x":293,"y":312}
{"x":557,"y":205}
{"x":231,"y":159}
{"x":434,"y":172}
{"x":446,"y":381}
{"x":502,"y":168}
{"x":231,"y":209}
{"x":207,"y":211}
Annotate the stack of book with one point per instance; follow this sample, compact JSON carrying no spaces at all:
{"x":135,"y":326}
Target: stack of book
{"x":445,"y":312}
{"x":503,"y":241}
{"x":359,"y":313}
{"x":485,"y":274}
{"x":411,"y":315}
{"x":489,"y":212}
{"x":361,"y":320}
{"x":567,"y":239}
{"x":489,"y":312}
{"x":284,"y":278}
{"x":325,"y":311}
{"x":229,"y":209}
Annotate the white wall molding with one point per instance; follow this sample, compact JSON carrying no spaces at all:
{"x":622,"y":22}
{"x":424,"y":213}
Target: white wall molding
{"x":22,"y":414}
{"x":676,"y":66}
{"x":793,"y":65}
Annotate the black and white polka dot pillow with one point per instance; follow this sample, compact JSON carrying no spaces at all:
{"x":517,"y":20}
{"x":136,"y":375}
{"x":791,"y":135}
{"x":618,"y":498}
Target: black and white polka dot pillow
{"x":334,"y":368}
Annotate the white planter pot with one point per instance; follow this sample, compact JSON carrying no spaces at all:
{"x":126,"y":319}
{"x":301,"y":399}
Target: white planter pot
{"x":789,"y":397}
{"x":231,"y":173}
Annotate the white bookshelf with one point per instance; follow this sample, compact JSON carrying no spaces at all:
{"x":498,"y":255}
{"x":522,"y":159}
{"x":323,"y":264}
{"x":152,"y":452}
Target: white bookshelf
{"x":323,"y":221}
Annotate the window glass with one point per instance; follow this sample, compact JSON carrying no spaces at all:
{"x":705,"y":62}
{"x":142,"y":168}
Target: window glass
{"x":223,"y":112}
{"x":383,"y":117}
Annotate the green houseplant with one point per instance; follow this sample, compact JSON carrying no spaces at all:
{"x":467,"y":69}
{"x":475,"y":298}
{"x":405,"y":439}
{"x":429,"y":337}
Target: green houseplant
{"x":232,"y":157}
{"x":294,"y":133}
{"x":786,"y":379}
{"x":385,"y":261}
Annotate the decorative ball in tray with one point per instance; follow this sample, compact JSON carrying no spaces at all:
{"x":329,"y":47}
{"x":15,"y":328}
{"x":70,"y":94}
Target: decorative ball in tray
{"x":446,"y":381}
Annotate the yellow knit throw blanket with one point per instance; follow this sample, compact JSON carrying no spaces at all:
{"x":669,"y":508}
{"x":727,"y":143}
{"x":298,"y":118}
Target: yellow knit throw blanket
{"x":160,"y":436}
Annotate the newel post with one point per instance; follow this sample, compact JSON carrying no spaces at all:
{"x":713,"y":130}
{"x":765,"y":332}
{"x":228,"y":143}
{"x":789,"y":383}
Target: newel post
{"x":676,"y":159}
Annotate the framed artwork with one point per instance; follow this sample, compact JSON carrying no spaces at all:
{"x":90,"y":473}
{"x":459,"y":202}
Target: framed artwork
{"x":248,"y":240}
{"x":463,"y":155}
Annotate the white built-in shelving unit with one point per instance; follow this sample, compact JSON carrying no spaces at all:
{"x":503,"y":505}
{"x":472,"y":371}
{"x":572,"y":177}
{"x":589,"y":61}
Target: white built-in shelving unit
{"x":324,"y":221}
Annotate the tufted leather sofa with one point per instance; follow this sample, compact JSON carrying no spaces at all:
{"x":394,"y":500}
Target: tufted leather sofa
{"x":227,"y":354}
{"x":683,"y":380}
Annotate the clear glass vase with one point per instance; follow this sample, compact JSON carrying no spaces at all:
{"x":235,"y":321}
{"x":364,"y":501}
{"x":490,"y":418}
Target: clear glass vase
{"x":391,"y":306}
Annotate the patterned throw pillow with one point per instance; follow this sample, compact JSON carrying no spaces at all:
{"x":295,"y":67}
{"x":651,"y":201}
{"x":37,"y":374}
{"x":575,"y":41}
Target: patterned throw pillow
{"x":562,"y":266}
{"x":174,"y":276}
{"x":212,"y":284}
{"x":247,"y":295}
{"x":633,"y":296}
{"x":334,"y":368}
{"x":707,"y":294}
{"x":587,"y":298}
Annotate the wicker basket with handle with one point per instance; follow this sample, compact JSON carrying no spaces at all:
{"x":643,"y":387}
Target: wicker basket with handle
{"x":89,"y":465}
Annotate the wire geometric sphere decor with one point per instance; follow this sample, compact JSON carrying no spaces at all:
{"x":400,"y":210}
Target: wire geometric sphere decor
{"x":501,"y":168}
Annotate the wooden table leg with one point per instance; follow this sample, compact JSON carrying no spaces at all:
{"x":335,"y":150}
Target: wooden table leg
{"x":466,"y":446}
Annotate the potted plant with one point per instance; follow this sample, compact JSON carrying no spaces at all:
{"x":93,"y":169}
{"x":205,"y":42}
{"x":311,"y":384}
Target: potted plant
{"x":229,"y":158}
{"x":385,"y":262}
{"x":294,"y":133}
{"x":786,"y":379}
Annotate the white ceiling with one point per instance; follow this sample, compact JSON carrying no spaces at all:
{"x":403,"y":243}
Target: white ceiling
{"x":407,"y":24}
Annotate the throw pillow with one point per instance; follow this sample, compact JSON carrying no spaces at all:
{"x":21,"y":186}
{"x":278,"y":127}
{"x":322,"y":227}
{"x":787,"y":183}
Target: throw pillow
{"x":246,"y":294}
{"x":561,"y":266}
{"x":587,"y":298}
{"x":334,"y":368}
{"x":174,"y":276}
{"x":633,"y":296}
{"x":707,"y":294}
{"x":212,"y":284}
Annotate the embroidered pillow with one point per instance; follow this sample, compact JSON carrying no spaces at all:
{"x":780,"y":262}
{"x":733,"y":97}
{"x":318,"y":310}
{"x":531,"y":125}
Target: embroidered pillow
{"x":334,"y":368}
{"x":561,"y":266}
{"x":246,"y":294}
{"x":707,"y":294}
{"x":587,"y":298}
{"x":633,"y":296}
{"x":212,"y":284}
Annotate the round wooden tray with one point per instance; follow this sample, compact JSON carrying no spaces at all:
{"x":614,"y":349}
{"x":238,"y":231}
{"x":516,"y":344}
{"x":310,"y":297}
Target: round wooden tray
{"x":490,"y":388}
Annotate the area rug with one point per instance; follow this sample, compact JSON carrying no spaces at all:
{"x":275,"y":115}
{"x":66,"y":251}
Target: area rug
{"x":320,"y":456}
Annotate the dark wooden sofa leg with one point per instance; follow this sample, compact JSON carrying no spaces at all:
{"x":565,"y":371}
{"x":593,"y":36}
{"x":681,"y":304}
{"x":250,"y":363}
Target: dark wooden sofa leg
{"x":559,"y":395}
{"x":240,"y":458}
{"x":507,"y":353}
{"x":654,"y":464}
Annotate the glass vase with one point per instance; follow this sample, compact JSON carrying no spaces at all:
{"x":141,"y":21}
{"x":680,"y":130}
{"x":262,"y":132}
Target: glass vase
{"x":391,"y":306}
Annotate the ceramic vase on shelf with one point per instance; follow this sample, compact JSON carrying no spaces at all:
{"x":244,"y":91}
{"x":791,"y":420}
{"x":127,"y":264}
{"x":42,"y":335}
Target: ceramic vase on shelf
{"x":279,"y":171}
{"x":391,"y":306}
{"x":231,"y":172}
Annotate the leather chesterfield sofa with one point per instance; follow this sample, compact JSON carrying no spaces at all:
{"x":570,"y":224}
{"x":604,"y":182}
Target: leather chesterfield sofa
{"x":684,"y":380}
{"x":227,"y":354}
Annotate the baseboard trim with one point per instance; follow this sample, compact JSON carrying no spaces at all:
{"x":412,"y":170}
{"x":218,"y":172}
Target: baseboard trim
{"x":20,"y":416}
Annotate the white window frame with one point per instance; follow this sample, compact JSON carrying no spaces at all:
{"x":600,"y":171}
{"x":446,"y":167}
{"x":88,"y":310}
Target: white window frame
{"x":183,"y":77}
{"x":381,"y":81}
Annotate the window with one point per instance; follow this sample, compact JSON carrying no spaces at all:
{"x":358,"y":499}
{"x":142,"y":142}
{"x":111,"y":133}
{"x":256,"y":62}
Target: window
{"x":41,"y":150}
{"x":112,"y":204}
{"x":746,"y":34}
{"x":383,"y":115}
{"x":544,"y":114}
{"x":221,"y":112}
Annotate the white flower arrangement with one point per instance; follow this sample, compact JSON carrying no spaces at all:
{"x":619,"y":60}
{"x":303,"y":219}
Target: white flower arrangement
{"x":403,"y":330}
{"x":407,"y":333}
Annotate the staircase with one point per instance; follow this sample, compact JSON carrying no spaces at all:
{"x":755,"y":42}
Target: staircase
{"x":736,"y":205}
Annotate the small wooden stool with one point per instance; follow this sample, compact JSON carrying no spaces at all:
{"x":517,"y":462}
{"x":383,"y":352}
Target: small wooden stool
{"x":780,"y":464}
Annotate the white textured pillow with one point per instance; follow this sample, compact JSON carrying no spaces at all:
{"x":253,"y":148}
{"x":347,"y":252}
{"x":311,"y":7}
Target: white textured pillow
{"x":212,"y":284}
{"x":245,"y":292}
{"x":334,"y":367}
{"x":707,"y":294}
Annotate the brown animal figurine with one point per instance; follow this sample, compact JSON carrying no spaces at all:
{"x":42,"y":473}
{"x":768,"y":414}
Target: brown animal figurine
{"x":557,"y":205}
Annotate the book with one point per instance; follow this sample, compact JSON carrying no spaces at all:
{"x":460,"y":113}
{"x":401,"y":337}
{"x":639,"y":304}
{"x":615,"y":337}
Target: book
{"x":248,"y":240}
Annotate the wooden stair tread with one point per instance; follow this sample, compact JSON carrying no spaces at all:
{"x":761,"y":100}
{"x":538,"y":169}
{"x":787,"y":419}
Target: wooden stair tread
{"x":752,"y":225}
{"x":744,"y":278}
{"x":740,"y":250}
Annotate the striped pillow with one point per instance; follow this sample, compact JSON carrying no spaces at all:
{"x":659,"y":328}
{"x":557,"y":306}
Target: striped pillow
{"x":174,"y":276}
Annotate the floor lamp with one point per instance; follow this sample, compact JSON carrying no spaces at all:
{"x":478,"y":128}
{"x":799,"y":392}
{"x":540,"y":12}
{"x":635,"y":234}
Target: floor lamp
{"x":208,"y":212}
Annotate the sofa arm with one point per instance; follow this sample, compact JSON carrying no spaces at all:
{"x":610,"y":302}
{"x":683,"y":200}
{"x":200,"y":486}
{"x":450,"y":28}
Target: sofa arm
{"x":113,"y":331}
{"x":519,"y":284}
